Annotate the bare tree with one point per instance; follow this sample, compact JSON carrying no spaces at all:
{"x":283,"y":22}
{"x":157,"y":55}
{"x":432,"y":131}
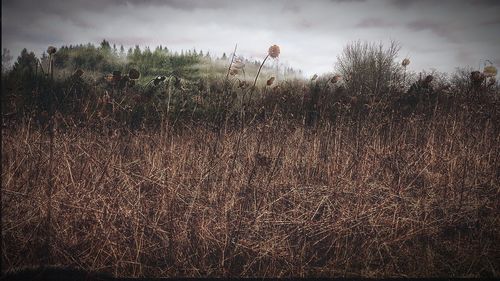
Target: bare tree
{"x":369,"y":68}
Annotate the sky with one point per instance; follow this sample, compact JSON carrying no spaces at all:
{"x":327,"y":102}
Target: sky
{"x":440,"y":35}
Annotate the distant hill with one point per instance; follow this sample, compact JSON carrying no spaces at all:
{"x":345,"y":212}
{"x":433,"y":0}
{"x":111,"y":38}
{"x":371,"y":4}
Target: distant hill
{"x":189,"y":64}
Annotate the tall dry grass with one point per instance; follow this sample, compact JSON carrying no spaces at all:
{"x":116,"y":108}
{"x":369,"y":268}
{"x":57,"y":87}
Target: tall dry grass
{"x":372,"y":196}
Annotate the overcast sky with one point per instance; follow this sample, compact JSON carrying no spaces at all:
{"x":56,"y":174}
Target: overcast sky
{"x":434,"y":34}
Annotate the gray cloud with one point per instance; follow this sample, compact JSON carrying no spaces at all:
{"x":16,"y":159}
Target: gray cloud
{"x":347,"y":1}
{"x":402,"y":3}
{"x":374,"y":22}
{"x":491,"y":22}
{"x":440,"y":34}
{"x":489,"y":3}
{"x":442,"y":30}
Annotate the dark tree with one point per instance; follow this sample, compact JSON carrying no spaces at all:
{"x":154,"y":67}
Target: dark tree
{"x":25,"y":64}
{"x":105,"y":46}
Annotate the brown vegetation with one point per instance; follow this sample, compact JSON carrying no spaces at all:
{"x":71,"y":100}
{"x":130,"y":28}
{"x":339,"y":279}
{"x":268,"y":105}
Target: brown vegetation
{"x":372,"y":195}
{"x":343,"y":175}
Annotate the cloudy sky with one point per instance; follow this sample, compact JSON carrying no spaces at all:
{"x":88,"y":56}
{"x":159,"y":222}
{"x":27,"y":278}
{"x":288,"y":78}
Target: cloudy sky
{"x":434,"y":34}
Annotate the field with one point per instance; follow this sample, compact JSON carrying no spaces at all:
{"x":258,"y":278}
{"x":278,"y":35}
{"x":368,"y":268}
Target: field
{"x":280,"y":185}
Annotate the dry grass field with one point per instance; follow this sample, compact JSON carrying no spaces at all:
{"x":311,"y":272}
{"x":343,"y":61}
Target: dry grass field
{"x":381,"y":194}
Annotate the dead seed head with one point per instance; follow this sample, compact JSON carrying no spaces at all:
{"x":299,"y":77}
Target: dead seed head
{"x":243,"y":84}
{"x":405,"y":62}
{"x":51,"y":50}
{"x":336,"y":78}
{"x":274,"y":51}
{"x":270,"y":81}
{"x":134,"y":73}
{"x":476,"y":76}
{"x":233,"y":71}
{"x":314,"y":77}
{"x":490,"y":71}
{"x":238,"y":64}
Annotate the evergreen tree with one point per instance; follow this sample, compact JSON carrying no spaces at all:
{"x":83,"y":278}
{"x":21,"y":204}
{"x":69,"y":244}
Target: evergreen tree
{"x":137,"y":52}
{"x":26,"y":63}
{"x":105,"y":45}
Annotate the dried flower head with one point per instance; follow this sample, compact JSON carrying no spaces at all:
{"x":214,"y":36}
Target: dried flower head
{"x":236,"y":66}
{"x":134,"y":73}
{"x":490,"y":71}
{"x":274,"y":51}
{"x":476,"y":76}
{"x":243,"y":84}
{"x":233,"y":71}
{"x":428,"y":79}
{"x":238,"y":63}
{"x":270,"y":81}
{"x":314,"y":77}
{"x":405,"y":62}
{"x":51,"y":50}
{"x":336,"y":78}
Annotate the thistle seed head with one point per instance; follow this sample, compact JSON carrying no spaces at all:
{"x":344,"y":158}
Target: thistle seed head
{"x":336,"y":78}
{"x":270,"y":81}
{"x":51,"y":50}
{"x":490,"y":71}
{"x":274,"y":51}
{"x":134,"y":73}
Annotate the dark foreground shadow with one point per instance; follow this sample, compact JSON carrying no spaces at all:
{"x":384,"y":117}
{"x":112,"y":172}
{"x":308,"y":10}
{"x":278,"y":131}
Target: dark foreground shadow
{"x":54,"y":273}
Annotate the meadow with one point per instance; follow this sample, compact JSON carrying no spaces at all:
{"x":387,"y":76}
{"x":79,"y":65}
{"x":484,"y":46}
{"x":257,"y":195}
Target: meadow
{"x":209,"y":176}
